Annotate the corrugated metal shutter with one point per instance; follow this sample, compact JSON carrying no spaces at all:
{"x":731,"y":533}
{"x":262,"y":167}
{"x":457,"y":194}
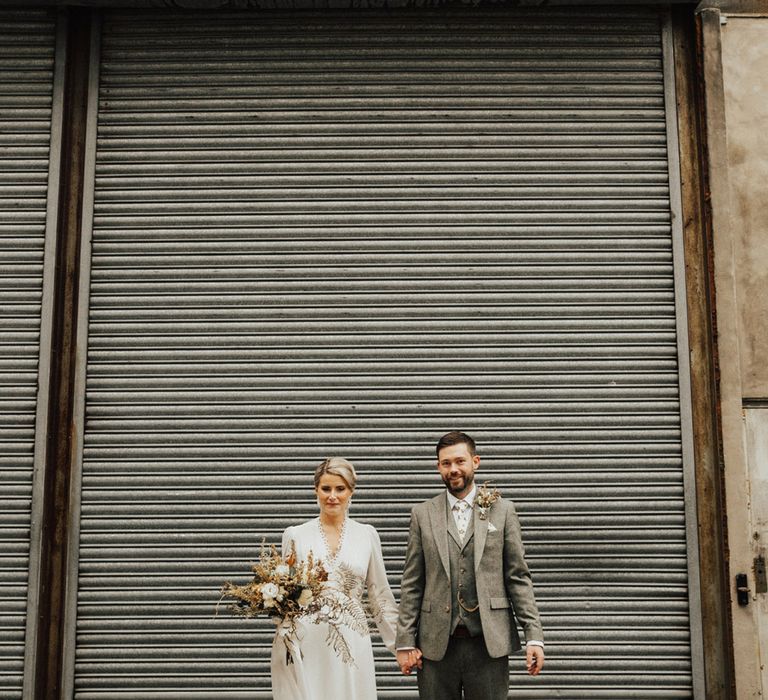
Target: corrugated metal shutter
{"x":336,"y":233}
{"x":27,"y":42}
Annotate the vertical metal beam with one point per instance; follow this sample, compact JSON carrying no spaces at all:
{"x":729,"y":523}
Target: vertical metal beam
{"x":698,"y":254}
{"x":683,"y":359}
{"x":81,"y":343}
{"x":54,"y":501}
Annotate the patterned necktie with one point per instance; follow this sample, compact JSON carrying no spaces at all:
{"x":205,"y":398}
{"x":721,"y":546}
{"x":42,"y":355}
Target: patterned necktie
{"x":461,"y":509}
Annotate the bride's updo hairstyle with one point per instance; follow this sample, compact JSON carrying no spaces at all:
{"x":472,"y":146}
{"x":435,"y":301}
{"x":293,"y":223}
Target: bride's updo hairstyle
{"x":337,"y":466}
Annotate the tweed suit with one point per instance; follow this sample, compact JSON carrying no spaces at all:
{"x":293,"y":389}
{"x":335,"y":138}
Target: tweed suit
{"x":499,"y":577}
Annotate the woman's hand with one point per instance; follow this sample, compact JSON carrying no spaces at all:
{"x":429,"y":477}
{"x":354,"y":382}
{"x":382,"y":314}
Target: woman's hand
{"x":408,"y":659}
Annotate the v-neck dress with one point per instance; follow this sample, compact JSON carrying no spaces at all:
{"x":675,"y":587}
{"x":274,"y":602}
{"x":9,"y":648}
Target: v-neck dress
{"x":317,"y":672}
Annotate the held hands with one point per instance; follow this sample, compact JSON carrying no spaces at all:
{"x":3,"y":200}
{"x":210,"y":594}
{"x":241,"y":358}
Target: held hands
{"x":534,"y":659}
{"x":408,"y":659}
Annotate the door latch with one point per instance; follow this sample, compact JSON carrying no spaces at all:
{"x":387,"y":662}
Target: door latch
{"x":742,"y":589}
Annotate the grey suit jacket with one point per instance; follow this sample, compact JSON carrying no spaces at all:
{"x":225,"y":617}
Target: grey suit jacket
{"x":503,"y":581}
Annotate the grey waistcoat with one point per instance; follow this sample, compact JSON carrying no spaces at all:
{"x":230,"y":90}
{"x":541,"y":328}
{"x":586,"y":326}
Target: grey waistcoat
{"x":462,"y":560}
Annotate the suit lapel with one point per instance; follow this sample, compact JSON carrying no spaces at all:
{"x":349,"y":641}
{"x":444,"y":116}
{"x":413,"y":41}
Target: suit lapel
{"x":438,"y":514}
{"x":481,"y":532}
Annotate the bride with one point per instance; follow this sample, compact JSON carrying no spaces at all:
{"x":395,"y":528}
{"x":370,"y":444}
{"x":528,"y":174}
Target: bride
{"x":351,"y":553}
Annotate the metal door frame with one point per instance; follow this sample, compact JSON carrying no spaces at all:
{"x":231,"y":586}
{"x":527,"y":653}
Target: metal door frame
{"x":683,"y":360}
{"x":684,"y":368}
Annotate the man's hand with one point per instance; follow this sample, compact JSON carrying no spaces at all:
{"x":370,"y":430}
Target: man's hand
{"x":534,"y":659}
{"x":408,"y":659}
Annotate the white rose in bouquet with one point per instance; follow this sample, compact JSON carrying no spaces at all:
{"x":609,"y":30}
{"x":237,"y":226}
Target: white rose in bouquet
{"x":270,"y":592}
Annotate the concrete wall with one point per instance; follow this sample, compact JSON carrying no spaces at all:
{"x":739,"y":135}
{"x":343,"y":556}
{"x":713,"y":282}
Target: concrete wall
{"x":745,"y":81}
{"x":735,"y":42}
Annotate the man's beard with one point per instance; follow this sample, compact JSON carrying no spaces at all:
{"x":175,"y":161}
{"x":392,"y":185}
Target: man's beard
{"x":466,"y":482}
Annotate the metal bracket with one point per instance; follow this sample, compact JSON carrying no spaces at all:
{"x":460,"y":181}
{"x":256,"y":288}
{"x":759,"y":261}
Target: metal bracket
{"x":761,"y":584}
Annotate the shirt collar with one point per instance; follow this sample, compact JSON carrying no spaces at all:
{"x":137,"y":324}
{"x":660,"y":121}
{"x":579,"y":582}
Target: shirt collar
{"x":469,"y":498}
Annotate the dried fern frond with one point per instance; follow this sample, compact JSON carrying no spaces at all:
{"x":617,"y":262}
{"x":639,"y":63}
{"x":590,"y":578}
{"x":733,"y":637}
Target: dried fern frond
{"x":373,"y":608}
{"x":349,"y":581}
{"x":335,"y":639}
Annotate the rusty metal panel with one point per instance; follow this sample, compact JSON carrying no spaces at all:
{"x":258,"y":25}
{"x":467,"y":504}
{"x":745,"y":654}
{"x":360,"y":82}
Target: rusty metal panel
{"x":27,"y":45}
{"x":325,"y":233}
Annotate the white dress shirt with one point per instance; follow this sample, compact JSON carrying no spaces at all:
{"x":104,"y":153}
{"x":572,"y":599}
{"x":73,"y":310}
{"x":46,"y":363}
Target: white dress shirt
{"x":469,"y":499}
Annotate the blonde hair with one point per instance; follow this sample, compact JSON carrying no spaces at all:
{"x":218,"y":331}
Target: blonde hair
{"x":337,"y":466}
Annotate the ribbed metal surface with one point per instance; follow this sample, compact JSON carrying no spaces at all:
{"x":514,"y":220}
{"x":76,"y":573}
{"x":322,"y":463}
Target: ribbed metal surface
{"x":334,"y":233}
{"x":26,"y":85}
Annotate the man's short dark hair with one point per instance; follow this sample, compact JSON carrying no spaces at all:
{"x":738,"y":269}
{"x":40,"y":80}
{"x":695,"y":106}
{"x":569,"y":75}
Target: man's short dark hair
{"x":456,"y":437}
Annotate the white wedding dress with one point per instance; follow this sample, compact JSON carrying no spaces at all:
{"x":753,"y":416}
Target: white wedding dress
{"x":317,"y":672}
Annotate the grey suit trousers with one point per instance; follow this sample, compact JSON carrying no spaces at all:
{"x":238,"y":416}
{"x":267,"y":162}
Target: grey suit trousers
{"x":466,"y":664}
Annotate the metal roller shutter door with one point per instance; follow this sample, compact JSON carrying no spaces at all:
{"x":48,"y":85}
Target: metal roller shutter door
{"x":27,"y":40}
{"x":332,"y":233}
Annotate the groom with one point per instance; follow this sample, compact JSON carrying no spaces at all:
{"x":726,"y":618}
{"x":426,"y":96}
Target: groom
{"x":464,"y":583}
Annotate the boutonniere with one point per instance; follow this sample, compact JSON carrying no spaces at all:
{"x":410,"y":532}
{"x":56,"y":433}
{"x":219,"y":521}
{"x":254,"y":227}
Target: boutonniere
{"x":485,"y":498}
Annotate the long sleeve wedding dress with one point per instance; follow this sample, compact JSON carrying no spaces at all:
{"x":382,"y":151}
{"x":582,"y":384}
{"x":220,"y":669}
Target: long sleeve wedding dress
{"x":315,"y":671}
